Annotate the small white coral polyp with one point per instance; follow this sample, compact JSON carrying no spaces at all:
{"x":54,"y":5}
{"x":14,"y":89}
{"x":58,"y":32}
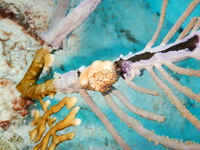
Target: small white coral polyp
{"x":99,"y":76}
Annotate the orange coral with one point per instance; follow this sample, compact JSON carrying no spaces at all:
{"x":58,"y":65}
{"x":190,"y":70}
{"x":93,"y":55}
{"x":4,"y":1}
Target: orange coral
{"x":41,"y":122}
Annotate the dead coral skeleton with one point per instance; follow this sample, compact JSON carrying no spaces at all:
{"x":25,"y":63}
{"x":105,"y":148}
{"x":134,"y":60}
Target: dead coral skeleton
{"x":70,"y":82}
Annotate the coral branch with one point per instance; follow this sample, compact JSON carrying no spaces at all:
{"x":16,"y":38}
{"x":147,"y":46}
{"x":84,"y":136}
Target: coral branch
{"x":177,"y":103}
{"x":149,"y":135}
{"x":185,"y":71}
{"x":196,"y":26}
{"x":187,"y":29}
{"x":185,"y":90}
{"x":56,"y":33}
{"x":34,"y":71}
{"x":60,"y":12}
{"x":104,"y":119}
{"x":160,"y":24}
{"x":28,"y":86}
{"x":180,"y":21}
{"x":41,"y":122}
{"x":39,"y":91}
{"x":135,"y":109}
{"x":139,"y":88}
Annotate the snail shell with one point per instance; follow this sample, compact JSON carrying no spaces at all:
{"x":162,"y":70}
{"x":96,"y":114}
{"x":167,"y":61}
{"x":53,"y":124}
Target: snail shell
{"x":99,"y":76}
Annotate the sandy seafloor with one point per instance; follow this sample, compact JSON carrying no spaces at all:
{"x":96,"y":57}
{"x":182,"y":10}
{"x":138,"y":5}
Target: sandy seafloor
{"x":116,"y":27}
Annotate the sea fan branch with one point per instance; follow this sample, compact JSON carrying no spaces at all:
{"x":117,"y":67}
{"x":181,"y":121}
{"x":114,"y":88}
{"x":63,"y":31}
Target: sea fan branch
{"x":56,"y":33}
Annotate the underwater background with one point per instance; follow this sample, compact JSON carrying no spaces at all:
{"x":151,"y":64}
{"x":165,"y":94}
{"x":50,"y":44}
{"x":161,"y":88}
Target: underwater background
{"x":118,"y":27}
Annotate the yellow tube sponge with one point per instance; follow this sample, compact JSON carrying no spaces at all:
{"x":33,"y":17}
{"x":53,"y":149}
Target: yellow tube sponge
{"x":48,"y":61}
{"x":40,"y":123}
{"x":28,"y":86}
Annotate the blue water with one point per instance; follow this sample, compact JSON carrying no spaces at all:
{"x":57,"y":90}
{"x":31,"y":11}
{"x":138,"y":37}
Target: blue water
{"x":118,"y":27}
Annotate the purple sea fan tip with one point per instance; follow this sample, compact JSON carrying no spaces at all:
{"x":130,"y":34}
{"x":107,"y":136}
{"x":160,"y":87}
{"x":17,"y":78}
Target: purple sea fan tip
{"x":126,"y":68}
{"x":55,"y":34}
